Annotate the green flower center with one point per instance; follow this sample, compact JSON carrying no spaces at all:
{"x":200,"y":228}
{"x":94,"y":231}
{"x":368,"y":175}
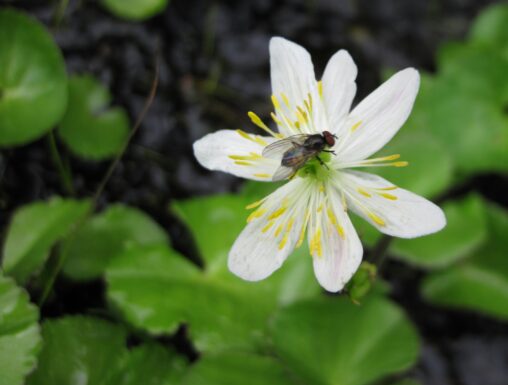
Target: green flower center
{"x":316,"y":169}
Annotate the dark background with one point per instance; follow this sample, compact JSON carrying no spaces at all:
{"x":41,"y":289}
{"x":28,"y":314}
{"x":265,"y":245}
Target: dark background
{"x":213,"y":60}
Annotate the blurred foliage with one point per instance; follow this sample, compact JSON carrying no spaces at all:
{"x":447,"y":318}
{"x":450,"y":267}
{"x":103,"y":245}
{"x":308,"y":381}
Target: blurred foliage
{"x":89,"y":127}
{"x":33,"y":231}
{"x":135,"y":9}
{"x":106,"y":235}
{"x":33,"y":81}
{"x":279,"y":331}
{"x":86,"y":350}
{"x":19,"y":333}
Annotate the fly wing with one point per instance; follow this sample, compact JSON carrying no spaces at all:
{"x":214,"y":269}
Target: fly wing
{"x":283,"y":172}
{"x":277,"y":149}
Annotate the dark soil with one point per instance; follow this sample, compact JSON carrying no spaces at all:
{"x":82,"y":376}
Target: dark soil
{"x":213,"y":69}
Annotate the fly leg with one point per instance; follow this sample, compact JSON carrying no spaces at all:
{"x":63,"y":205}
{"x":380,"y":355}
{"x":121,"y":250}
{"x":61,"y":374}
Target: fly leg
{"x":321,"y":162}
{"x":330,"y":151}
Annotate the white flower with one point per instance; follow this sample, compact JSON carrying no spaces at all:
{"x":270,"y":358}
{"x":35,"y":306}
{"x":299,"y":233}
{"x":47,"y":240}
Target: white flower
{"x":317,"y":199}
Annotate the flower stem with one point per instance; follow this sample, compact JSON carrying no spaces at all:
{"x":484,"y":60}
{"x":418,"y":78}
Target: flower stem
{"x":63,"y":171}
{"x":62,"y":257}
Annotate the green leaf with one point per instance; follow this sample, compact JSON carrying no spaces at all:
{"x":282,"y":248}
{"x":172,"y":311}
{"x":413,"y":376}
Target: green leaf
{"x":156,"y":289}
{"x":19,"y":333}
{"x":107,"y":235}
{"x":237,"y":368}
{"x":135,"y":9}
{"x":33,"y":81}
{"x":332,"y":341}
{"x":91,"y":351}
{"x":474,"y":132}
{"x":491,"y":28}
{"x":476,"y":71}
{"x":149,"y":364}
{"x":481,"y":282}
{"x":430,"y":166}
{"x":90,"y":128}
{"x":465,"y":231}
{"x":34,"y":229}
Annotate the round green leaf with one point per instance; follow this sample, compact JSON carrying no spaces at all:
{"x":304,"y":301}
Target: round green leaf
{"x":237,"y":368}
{"x":491,"y":28}
{"x":33,"y":81}
{"x":19,"y":333}
{"x":332,"y":341}
{"x":156,"y":289}
{"x":135,"y":9}
{"x":465,"y":231}
{"x":430,"y":165}
{"x":149,"y":364}
{"x":481,"y":282}
{"x":107,"y":235}
{"x":90,"y":128}
{"x":34,"y":229}
{"x":91,"y":351}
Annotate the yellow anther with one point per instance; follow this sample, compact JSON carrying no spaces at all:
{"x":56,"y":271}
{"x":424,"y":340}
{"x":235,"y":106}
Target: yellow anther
{"x":388,"y":196}
{"x":340,"y":230}
{"x":278,"y":230}
{"x":285,"y":99}
{"x":315,"y":243}
{"x":261,"y":175}
{"x":275,"y":119}
{"x":376,"y":219}
{"x":355,"y":126}
{"x":283,"y":242}
{"x":243,"y":163}
{"x":256,"y":214}
{"x":400,"y":164}
{"x":252,"y":156}
{"x":389,"y":188}
{"x":301,"y":119}
{"x":254,"y":139}
{"x":254,"y":204}
{"x":277,"y":213}
{"x":275,"y":102}
{"x":290,"y":224}
{"x":320,"y":88}
{"x":363,"y":192}
{"x":331,"y":215}
{"x":321,"y":187}
{"x":267,"y":227}
{"x":320,"y":208}
{"x":258,"y":122}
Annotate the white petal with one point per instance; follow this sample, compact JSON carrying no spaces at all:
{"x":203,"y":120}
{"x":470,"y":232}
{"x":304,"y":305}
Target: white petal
{"x":213,"y":152}
{"x":339,"y":89}
{"x":380,"y":115}
{"x":256,"y":254}
{"x":400,"y":212}
{"x":342,"y":250}
{"x":292,"y":72}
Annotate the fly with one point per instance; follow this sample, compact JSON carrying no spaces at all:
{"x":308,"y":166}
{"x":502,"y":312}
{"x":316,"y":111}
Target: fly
{"x":294,"y":151}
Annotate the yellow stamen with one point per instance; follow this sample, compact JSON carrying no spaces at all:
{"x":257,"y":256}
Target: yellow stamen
{"x":256,"y":214}
{"x":254,"y":204}
{"x":400,"y":164}
{"x":267,"y":227}
{"x":243,"y":163}
{"x":275,"y":102}
{"x":277,"y":213}
{"x":290,"y":224}
{"x":278,"y":230}
{"x":376,"y":219}
{"x":284,"y":241}
{"x":285,"y":99}
{"x":363,"y":192}
{"x":387,"y":188}
{"x":251,"y":156}
{"x":388,"y":196}
{"x":382,"y":159}
{"x":274,"y":118}
{"x":340,"y":230}
{"x":320,"y":88}
{"x":258,"y":122}
{"x":320,"y":208}
{"x":261,"y":175}
{"x":315,"y":243}
{"x":355,"y":126}
{"x":333,"y":221}
{"x":254,"y":139}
